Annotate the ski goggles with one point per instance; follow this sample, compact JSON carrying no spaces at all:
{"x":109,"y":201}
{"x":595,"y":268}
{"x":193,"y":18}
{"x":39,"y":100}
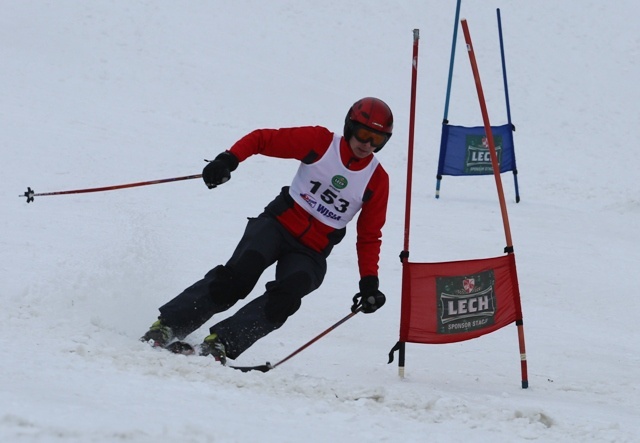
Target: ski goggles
{"x":363,"y":134}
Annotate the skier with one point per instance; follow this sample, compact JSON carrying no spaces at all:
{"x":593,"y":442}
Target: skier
{"x":338,"y":176}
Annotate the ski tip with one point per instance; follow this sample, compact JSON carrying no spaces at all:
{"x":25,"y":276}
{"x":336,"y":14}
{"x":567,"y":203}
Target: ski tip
{"x":260,"y":368}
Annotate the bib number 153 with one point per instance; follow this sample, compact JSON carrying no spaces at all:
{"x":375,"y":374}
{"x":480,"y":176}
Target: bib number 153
{"x":329,"y":197}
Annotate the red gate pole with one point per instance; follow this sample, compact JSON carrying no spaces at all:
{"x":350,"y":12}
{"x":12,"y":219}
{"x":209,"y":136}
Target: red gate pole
{"x":487,"y":130}
{"x":412,"y":119}
{"x":404,"y":255}
{"x":503,"y":206}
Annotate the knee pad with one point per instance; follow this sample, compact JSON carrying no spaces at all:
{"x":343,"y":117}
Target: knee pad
{"x":281,"y":306}
{"x":221,"y":286}
{"x":284,"y":297}
{"x":245,"y":270}
{"x":235,"y":280}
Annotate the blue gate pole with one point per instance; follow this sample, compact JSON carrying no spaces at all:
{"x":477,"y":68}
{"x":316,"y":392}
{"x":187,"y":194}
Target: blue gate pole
{"x":506,"y":95}
{"x":453,"y":55}
{"x":443,"y":150}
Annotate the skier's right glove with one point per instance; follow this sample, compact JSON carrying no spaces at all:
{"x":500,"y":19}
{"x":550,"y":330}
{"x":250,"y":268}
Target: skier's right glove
{"x":369,"y":299}
{"x":219,"y":170}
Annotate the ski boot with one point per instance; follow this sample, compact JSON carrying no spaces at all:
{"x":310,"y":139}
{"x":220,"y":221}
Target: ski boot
{"x":158,"y":335}
{"x":213,"y":346}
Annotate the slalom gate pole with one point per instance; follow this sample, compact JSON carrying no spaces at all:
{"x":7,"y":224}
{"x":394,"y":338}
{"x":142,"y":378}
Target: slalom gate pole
{"x":404,"y":255}
{"x":30,"y":194}
{"x":448,"y":95}
{"x":506,"y":96}
{"x":504,"y":69}
{"x":412,"y":119}
{"x":268,"y":366}
{"x":496,"y":172}
{"x":489,"y":133}
{"x":451,"y":60}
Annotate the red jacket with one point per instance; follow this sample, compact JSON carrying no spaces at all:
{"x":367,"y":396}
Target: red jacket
{"x":308,"y":144}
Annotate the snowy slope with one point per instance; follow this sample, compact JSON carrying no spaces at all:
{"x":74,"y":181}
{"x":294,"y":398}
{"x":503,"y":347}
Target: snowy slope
{"x":108,"y":92}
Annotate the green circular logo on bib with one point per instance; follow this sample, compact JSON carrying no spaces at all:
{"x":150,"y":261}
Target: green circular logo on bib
{"x":339,"y":182}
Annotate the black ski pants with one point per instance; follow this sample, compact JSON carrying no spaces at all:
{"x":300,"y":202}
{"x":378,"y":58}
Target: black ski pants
{"x":299,"y":271}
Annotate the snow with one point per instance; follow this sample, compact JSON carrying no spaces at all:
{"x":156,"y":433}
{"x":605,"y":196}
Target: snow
{"x":105,"y":92}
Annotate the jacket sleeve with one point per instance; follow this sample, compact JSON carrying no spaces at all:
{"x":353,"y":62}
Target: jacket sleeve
{"x":370,"y":222}
{"x":297,"y":143}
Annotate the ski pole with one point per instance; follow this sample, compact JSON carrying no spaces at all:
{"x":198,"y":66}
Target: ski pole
{"x":30,"y":194}
{"x":268,"y":366}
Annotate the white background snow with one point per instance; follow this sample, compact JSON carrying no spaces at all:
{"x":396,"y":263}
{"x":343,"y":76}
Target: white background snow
{"x":109,"y":92}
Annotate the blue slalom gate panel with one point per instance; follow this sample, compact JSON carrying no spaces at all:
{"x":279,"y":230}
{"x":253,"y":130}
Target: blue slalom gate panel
{"x":465,"y":151}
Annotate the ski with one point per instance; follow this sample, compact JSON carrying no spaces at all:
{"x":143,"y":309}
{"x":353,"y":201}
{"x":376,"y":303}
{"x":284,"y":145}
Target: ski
{"x":261,"y":368}
{"x":181,"y":347}
{"x":184,"y":348}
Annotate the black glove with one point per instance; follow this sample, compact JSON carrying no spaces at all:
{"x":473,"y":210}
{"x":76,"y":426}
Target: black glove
{"x":219,"y":170}
{"x":370,"y":299}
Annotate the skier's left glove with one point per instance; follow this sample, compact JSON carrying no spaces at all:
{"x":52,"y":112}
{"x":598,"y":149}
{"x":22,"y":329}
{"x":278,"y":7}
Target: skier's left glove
{"x":219,"y":170}
{"x":370,"y":299}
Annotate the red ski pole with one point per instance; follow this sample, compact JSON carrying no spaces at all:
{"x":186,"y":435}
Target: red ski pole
{"x":30,"y":194}
{"x":268,"y":366}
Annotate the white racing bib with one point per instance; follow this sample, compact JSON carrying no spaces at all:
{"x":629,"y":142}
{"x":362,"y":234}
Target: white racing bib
{"x":328,"y":190}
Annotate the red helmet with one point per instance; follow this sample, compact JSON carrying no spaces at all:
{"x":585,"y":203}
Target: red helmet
{"x":372,"y":113}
